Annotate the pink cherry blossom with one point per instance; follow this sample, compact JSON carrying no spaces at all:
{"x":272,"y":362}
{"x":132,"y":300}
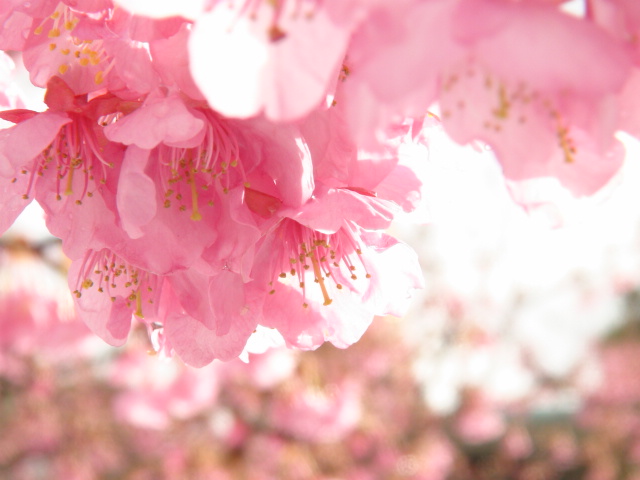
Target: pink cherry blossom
{"x":320,"y":276}
{"x":390,"y":74}
{"x":242,"y":160}
{"x":108,"y":291}
{"x":530,"y":109}
{"x":92,"y":47}
{"x":59,"y":157}
{"x":568,"y":117}
{"x":278,"y":59}
{"x":187,"y":183}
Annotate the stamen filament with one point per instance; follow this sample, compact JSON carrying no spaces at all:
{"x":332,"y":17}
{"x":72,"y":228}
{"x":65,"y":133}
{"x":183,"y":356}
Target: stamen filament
{"x":138,"y":312}
{"x":69,"y":189}
{"x":195,"y":214}
{"x":320,"y":277}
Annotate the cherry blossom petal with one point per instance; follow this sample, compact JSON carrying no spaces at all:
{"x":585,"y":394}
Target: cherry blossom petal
{"x":12,"y":200}
{"x":107,"y":318}
{"x":197,"y":346}
{"x":23,"y":142}
{"x":171,"y":61}
{"x":539,"y":45}
{"x":326,"y":212}
{"x":158,"y":120}
{"x":285,"y":158}
{"x":232,"y":250}
{"x":245,"y":65}
{"x":227,"y":299}
{"x":136,"y":189}
{"x":342,"y":322}
{"x":395,"y":272}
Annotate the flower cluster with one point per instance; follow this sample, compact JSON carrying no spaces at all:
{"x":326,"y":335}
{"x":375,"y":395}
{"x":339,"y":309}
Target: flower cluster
{"x":215,"y":166}
{"x":198,"y":224}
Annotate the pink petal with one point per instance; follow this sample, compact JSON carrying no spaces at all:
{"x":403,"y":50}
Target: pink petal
{"x":90,"y":5}
{"x":23,"y":142}
{"x":537,"y":44}
{"x":110,"y":320}
{"x":158,"y":120}
{"x":395,"y":274}
{"x":190,"y":289}
{"x":136,"y":194}
{"x":133,"y":65}
{"x":227,"y":300}
{"x":394,"y":64}
{"x":326,"y":212}
{"x":244,"y":67}
{"x":171,"y":60}
{"x":12,"y":201}
{"x":261,"y":203}
{"x":233,"y":248}
{"x":342,"y":322}
{"x":198,"y":346}
{"x":285,"y":158}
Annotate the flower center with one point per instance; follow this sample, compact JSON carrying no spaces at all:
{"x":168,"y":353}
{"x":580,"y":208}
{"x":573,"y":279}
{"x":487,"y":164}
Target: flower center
{"x":330,"y":259}
{"x":189,"y":173}
{"x":513,"y":105}
{"x":74,"y":153}
{"x":73,"y":51}
{"x":280,"y":10}
{"x":110,"y":275}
